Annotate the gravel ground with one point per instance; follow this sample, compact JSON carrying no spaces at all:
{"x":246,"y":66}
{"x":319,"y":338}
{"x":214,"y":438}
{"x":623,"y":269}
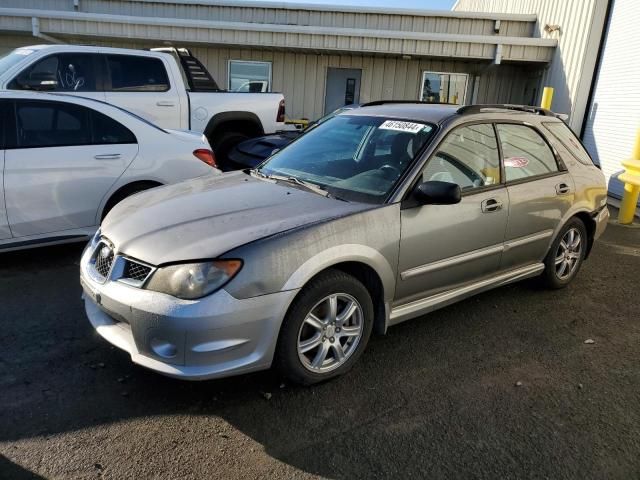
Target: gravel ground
{"x":501,"y":385}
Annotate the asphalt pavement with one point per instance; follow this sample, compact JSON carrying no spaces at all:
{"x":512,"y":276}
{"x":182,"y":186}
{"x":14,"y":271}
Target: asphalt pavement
{"x":520,"y":382}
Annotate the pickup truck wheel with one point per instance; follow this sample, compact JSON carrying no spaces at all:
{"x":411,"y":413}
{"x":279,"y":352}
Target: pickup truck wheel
{"x":222,"y":145}
{"x":326,"y":329}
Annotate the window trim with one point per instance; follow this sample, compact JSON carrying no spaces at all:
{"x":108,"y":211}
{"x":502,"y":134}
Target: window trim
{"x":97,"y":68}
{"x":559,"y":163}
{"x":268,"y":62}
{"x":11,"y":114}
{"x":108,"y":84}
{"x":466,"y":84}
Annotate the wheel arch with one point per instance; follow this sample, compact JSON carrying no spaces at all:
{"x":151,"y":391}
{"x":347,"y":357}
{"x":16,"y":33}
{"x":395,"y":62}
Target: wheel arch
{"x":589,"y":222}
{"x":236,"y":121}
{"x":364,"y":263}
{"x":123,"y":192}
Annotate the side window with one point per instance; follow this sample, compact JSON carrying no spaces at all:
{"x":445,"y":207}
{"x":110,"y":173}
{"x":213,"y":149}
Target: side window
{"x":68,"y":72}
{"x":468,"y":156}
{"x":106,"y":130}
{"x":566,"y":137}
{"x":525,"y":152}
{"x":51,"y":124}
{"x":137,"y":74}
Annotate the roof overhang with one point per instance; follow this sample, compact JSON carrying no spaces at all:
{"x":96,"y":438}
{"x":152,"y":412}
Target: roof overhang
{"x":498,"y":48}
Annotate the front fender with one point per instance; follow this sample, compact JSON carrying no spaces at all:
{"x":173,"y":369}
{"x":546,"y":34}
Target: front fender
{"x":340,"y":254}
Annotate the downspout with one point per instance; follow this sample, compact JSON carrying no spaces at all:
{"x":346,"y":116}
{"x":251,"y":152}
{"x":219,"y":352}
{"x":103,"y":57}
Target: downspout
{"x":596,"y":69}
{"x":35,"y":30}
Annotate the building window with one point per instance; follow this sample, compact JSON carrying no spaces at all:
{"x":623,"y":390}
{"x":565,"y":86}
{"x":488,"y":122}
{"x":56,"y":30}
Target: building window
{"x":246,"y":76}
{"x":442,"y":87}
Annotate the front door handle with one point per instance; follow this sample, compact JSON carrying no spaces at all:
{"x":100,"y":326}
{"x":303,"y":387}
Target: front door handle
{"x":563,"y":189}
{"x":491,"y":205}
{"x":165,"y":104}
{"x":107,"y":156}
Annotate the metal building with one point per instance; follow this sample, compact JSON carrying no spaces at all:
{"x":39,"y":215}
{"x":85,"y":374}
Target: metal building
{"x":320,"y":57}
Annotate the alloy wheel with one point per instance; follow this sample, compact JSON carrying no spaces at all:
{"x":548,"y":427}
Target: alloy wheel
{"x":568,"y":254}
{"x":330,"y":333}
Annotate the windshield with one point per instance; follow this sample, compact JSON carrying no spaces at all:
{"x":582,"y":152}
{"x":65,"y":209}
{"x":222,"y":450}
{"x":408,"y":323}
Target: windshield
{"x":10,"y":59}
{"x":356,"y":158}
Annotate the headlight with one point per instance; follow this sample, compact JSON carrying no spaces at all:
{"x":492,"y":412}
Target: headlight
{"x":193,"y":280}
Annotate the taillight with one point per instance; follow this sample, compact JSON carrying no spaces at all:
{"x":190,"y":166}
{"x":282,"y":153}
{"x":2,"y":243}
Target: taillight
{"x":280,"y":117}
{"x":206,"y":156}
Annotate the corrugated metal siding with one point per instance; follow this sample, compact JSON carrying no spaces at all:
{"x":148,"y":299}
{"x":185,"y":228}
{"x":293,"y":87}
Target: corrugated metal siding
{"x":221,"y":32}
{"x":286,"y":16}
{"x":614,"y":114}
{"x":301,"y":77}
{"x":573,"y":63}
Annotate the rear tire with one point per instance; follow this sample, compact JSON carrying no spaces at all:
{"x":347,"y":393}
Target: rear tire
{"x":566,"y":255}
{"x":222,"y":145}
{"x":325,"y":330}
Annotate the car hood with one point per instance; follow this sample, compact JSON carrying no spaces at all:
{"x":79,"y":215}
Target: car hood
{"x":208,"y":216}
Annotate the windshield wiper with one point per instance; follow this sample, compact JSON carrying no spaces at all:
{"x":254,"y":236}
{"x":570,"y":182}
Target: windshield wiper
{"x":291,"y":179}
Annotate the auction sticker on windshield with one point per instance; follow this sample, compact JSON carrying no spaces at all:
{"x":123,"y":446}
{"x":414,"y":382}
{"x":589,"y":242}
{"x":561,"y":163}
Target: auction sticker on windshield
{"x":400,"y":126}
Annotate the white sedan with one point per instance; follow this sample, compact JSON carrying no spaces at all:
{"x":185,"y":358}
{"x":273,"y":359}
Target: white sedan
{"x":65,"y":161}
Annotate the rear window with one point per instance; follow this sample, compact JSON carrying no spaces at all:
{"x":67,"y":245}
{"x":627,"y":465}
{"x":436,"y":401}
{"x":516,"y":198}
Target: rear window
{"x":567,"y":138}
{"x":129,"y":73}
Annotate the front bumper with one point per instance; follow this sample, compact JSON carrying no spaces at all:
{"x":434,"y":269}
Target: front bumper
{"x":216,"y":336}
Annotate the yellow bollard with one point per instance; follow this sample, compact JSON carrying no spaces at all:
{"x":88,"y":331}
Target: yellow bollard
{"x":631,"y":180}
{"x":547,"y":96}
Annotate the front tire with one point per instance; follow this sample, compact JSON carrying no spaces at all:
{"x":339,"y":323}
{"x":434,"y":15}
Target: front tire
{"x":566,"y":255}
{"x":326,"y":329}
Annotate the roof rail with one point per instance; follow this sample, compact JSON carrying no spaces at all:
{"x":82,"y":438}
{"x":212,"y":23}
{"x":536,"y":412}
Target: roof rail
{"x":386,"y":102}
{"x":468,"y":109}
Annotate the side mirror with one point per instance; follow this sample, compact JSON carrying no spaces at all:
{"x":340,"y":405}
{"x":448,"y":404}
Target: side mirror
{"x":435,"y":192}
{"x":38,"y":81}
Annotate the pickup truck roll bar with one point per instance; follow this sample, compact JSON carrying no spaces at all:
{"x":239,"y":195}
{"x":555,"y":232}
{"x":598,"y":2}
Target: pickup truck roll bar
{"x":197,"y":75}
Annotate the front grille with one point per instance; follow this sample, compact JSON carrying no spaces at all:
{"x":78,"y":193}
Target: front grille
{"x":136,"y":271}
{"x":103,"y":260}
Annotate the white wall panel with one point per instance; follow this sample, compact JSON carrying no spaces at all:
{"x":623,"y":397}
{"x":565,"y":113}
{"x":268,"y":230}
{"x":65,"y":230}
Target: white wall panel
{"x":614,"y":114}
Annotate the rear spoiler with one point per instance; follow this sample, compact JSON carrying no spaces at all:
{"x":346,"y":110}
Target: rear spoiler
{"x":197,"y":75}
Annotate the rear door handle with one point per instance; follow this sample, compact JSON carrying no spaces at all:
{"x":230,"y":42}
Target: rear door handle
{"x":491,"y":205}
{"x":563,"y":189}
{"x":165,"y":104}
{"x":107,"y":156}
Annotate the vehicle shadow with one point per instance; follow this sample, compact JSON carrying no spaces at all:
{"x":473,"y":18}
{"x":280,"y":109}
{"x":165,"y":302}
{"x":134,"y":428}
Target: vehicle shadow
{"x":434,"y":397}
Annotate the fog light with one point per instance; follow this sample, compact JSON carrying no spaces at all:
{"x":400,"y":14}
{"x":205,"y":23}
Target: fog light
{"x":162,"y":348}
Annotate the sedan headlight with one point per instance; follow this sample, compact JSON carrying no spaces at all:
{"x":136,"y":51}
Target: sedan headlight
{"x":193,"y":280}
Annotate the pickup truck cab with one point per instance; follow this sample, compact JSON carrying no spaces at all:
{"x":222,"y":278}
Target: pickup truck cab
{"x":167,"y":86}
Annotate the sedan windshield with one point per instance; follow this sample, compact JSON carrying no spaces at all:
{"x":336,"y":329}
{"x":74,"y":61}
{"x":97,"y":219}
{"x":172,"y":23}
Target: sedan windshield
{"x":356,"y":158}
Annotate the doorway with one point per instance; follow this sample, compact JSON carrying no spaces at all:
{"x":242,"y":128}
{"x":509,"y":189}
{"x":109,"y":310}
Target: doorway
{"x":343,"y":88}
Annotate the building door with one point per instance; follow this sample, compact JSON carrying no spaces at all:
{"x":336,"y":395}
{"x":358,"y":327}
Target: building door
{"x":343,"y":88}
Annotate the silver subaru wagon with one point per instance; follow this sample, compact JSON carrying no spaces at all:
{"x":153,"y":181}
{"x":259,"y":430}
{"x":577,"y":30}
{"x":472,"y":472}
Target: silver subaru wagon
{"x":379,"y":215}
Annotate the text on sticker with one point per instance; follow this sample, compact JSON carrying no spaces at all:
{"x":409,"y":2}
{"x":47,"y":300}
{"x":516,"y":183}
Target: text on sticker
{"x":400,"y":126}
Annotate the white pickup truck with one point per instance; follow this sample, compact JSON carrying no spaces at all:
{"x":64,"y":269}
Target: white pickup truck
{"x":168,"y":86}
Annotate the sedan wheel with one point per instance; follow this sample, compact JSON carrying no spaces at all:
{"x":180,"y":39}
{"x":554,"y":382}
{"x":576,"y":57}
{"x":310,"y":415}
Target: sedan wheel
{"x":326,"y":328}
{"x":330,"y":333}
